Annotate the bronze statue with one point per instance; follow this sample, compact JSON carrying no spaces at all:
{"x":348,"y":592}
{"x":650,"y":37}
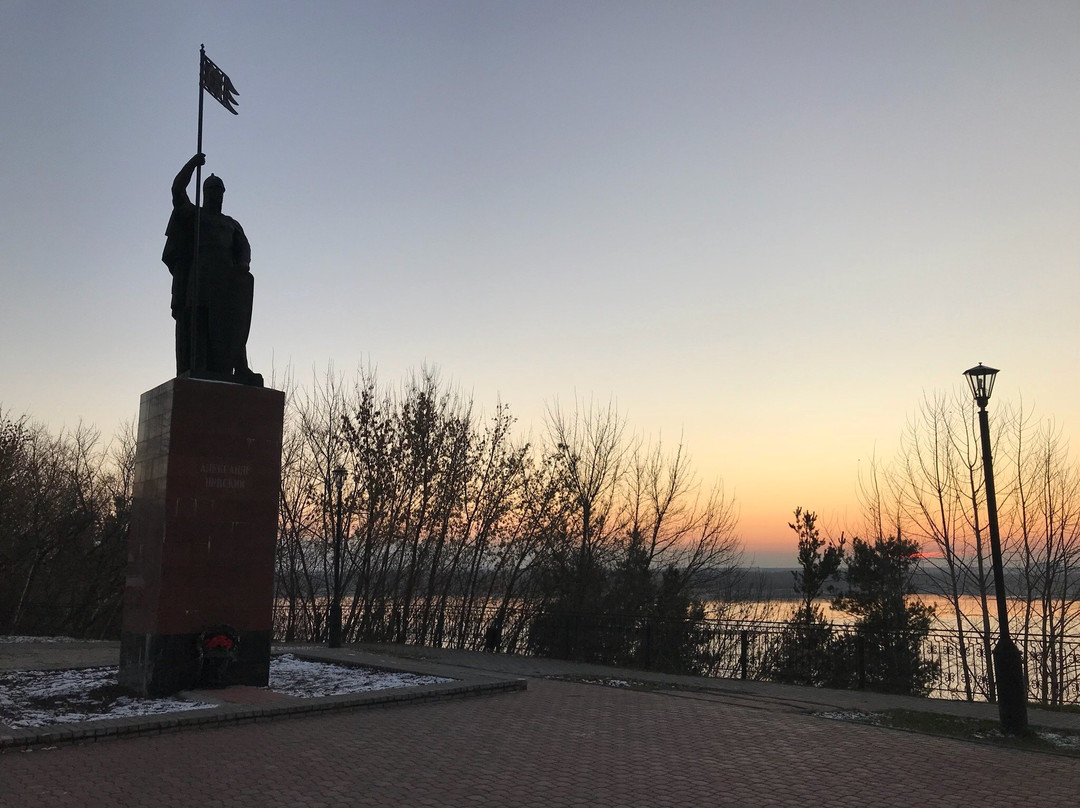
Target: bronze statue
{"x":211,"y":298}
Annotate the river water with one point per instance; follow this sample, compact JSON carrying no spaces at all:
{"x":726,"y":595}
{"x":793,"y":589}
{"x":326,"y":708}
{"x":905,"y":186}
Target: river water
{"x":944,"y":614}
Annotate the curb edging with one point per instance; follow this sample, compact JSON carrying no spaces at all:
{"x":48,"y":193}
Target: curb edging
{"x":226,"y":714}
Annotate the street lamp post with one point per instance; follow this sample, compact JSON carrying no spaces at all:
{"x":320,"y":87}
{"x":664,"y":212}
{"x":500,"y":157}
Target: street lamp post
{"x":334,"y":632}
{"x":1008,"y":665}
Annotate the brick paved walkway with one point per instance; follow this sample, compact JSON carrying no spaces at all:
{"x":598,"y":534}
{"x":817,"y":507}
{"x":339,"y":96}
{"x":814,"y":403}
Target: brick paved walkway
{"x":557,"y":744}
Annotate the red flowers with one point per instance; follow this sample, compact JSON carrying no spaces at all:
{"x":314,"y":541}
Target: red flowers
{"x":219,"y":641}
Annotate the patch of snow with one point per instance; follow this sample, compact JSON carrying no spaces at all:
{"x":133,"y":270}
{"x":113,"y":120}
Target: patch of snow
{"x":1060,"y":740}
{"x":293,"y":676}
{"x":851,"y":715}
{"x":18,"y":638}
{"x":606,"y":682}
{"x":41,"y":698}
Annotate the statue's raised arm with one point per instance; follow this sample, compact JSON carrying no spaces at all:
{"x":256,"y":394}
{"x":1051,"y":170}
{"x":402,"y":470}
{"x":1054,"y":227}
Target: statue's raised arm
{"x":183,"y":179}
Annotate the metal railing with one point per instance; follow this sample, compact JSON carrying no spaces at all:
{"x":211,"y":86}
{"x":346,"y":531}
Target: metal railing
{"x":931,"y":665}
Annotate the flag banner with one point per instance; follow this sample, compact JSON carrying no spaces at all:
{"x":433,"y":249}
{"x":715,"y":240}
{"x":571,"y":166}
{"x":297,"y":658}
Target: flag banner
{"x":218,"y":85}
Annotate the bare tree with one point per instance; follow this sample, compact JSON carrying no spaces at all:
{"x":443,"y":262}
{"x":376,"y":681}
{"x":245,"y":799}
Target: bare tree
{"x":936,"y":462}
{"x":934,"y":493}
{"x":64,"y":504}
{"x":589,"y":448}
{"x":1044,"y":522}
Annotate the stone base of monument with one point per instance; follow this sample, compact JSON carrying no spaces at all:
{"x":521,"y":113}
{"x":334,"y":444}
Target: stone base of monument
{"x":198,"y":601}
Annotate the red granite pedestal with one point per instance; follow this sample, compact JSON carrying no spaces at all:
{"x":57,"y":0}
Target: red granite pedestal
{"x":203,"y":529}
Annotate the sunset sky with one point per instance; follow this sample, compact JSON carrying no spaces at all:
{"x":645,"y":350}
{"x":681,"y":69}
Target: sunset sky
{"x":768,"y":228}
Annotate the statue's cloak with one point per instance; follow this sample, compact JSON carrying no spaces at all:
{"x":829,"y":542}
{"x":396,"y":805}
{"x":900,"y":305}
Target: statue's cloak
{"x":179,"y":252}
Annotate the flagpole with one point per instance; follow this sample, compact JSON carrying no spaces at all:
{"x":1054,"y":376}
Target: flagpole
{"x":198,"y":223}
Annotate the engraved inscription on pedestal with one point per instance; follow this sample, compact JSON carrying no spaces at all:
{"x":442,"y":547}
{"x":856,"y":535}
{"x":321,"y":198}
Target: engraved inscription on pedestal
{"x":224,"y":475}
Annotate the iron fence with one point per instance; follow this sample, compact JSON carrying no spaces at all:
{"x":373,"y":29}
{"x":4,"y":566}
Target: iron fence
{"x":738,"y":649}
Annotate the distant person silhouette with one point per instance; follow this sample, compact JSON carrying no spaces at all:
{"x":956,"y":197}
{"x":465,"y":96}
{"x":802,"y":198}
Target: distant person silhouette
{"x":225,"y":286}
{"x":493,"y":635}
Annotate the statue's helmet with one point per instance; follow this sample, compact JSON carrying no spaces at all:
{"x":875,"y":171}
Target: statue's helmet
{"x":213,"y":181}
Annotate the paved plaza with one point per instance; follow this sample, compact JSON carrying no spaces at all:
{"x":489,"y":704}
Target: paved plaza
{"x":558,"y":743}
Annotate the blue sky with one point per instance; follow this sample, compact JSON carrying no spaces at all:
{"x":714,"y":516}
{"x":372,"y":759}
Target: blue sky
{"x":767,"y":227}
